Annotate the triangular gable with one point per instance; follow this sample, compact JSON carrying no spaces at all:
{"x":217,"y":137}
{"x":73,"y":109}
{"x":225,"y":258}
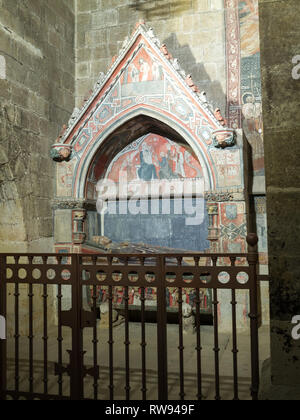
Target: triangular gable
{"x":144,"y":80}
{"x":144,"y":73}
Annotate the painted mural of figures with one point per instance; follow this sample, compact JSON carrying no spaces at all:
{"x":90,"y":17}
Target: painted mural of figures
{"x":180,"y":165}
{"x":152,"y":157}
{"x":252,"y":124}
{"x":127,"y":165}
{"x":249,"y":27}
{"x":190,"y":161}
{"x":174,"y":297}
{"x":144,"y":69}
{"x":131,"y":296}
{"x":166,"y":164}
{"x":147,"y":170}
{"x":156,"y":71}
{"x":134,"y":73}
{"x":252,"y":112}
{"x":136,"y":299}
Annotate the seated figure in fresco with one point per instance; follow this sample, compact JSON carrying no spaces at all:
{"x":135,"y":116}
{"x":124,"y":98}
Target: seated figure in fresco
{"x":166,"y":163}
{"x":147,"y":171}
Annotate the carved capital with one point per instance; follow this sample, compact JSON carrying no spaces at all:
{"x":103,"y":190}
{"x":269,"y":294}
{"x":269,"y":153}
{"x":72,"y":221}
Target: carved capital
{"x":213,"y":209}
{"x":218,"y":197}
{"x":79,"y":215}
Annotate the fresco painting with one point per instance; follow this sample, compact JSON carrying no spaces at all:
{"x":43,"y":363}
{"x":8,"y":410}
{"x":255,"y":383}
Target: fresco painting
{"x":249,"y":21}
{"x":154,"y":157}
{"x":64,"y":179}
{"x":261,"y":226}
{"x":228,"y":167}
{"x":251,"y":81}
{"x":142,"y":69}
{"x":233,"y":227}
{"x":134,"y":294}
{"x":146,"y":83}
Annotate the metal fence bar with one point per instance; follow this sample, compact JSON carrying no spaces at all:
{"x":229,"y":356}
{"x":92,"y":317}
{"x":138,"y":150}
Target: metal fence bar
{"x":127,"y":345}
{"x":111,"y":345}
{"x":198,"y":346}
{"x":216,"y":345}
{"x":181,"y":346}
{"x":78,"y":319}
{"x":76,"y":353}
{"x":45,"y":337}
{"x":30,"y":337}
{"x":95,"y":345}
{"x":162,"y":350}
{"x":59,"y":339}
{"x":252,"y":241}
{"x":3,"y":292}
{"x":234,"y":347}
{"x":16,"y":337}
{"x":143,"y":346}
{"x":234,"y":340}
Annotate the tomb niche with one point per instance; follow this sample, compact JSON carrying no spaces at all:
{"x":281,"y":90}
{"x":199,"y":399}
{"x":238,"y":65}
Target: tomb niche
{"x":147,"y":122}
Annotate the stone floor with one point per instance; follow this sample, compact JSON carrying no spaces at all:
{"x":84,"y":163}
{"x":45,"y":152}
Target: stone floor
{"x":190,"y":366}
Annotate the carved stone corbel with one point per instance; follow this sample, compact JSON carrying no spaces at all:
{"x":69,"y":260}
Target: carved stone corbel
{"x":61,"y":152}
{"x":224,"y":138}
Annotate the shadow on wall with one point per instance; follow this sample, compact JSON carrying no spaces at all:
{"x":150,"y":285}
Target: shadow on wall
{"x":213,"y":88}
{"x":162,"y":8}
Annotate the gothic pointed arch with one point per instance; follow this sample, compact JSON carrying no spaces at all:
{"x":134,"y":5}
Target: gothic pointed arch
{"x":145,"y":80}
{"x":145,"y":97}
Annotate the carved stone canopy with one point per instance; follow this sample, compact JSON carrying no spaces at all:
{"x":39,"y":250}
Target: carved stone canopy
{"x":145,"y":82}
{"x":146,"y":36}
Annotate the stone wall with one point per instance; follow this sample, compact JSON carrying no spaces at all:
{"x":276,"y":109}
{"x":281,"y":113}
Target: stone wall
{"x":193,"y":30}
{"x":281,"y":93}
{"x":36,"y":99}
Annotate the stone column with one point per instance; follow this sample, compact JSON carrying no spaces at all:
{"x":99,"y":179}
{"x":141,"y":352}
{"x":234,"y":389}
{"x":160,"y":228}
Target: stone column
{"x":79,"y":235}
{"x":213,"y":228}
{"x":280,"y":46}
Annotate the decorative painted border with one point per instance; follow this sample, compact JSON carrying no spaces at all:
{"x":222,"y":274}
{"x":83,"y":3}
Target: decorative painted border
{"x":233,"y":55}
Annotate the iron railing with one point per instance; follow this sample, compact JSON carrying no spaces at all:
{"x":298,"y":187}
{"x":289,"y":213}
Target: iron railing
{"x":42,"y":293}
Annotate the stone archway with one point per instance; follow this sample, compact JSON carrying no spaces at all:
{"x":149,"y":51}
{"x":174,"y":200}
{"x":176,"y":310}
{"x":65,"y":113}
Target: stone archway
{"x":146,"y":84}
{"x":146,"y":90}
{"x":142,"y":118}
{"x":161,"y":169}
